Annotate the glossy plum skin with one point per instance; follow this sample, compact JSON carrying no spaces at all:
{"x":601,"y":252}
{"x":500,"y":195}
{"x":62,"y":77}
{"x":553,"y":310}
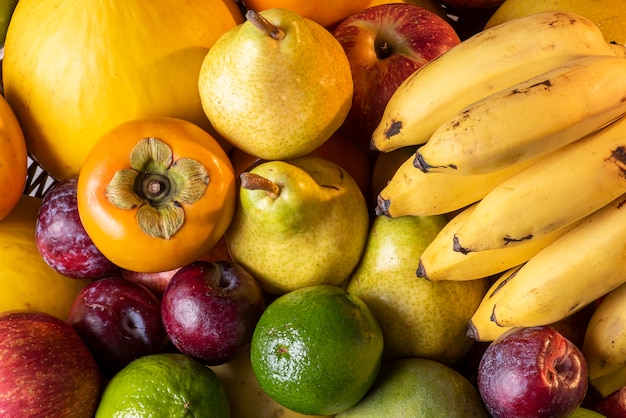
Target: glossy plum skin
{"x":532,"y":372}
{"x":61,"y":238}
{"x":210,"y":309}
{"x":119,"y":321}
{"x":611,"y":406}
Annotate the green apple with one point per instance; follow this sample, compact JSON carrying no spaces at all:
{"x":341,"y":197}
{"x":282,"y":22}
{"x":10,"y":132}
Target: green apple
{"x":416,"y":387}
{"x":418,"y":318}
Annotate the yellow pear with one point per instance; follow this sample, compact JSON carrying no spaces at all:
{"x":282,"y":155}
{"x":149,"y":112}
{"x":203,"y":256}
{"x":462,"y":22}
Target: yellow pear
{"x":276,"y":86}
{"x":418,"y":318}
{"x":609,"y":15}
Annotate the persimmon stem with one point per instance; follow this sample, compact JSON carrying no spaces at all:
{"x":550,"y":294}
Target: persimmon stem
{"x":265,"y":25}
{"x":252,"y":181}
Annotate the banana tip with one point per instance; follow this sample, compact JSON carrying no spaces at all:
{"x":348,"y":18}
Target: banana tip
{"x":382,"y":207}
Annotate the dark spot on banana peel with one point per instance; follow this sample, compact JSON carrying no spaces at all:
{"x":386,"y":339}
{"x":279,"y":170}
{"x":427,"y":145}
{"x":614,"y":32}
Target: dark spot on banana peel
{"x":501,"y":285}
{"x":456,"y":246}
{"x":618,"y":156}
{"x":394,"y":129}
{"x":508,"y":240}
{"x":420,"y":164}
{"x":544,"y":83}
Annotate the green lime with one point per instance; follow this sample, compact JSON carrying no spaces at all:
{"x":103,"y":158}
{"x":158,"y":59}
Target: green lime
{"x":420,"y":388}
{"x":164,"y":385}
{"x":6,"y":11}
{"x":317,"y":350}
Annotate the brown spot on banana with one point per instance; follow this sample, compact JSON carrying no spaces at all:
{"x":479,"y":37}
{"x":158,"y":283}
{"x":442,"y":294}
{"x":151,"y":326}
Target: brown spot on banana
{"x":394,"y":129}
{"x":618,"y":157}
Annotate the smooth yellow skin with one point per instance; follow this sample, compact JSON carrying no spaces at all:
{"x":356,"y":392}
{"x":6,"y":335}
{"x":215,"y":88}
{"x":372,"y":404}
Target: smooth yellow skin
{"x":609,"y":15}
{"x":73,"y":70}
{"x":277,"y":98}
{"x":26,"y":281}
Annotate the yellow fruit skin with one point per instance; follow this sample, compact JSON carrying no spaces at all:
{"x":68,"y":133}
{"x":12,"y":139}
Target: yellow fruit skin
{"x":26,"y":281}
{"x":73,"y":70}
{"x":277,"y":99}
{"x":609,"y":15}
{"x":13,"y":159}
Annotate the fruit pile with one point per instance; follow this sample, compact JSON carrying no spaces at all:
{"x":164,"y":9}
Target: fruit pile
{"x":358,"y":209}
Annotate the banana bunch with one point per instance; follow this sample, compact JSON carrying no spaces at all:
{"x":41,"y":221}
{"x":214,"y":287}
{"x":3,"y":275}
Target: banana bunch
{"x":486,"y":63}
{"x":529,"y":152}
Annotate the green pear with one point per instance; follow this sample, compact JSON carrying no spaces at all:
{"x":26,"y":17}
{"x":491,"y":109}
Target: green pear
{"x":277,"y":86}
{"x":419,"y":388}
{"x":418,"y":318}
{"x":298,"y":223}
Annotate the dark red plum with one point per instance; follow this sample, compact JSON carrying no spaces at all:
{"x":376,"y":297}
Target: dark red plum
{"x":532,"y":372}
{"x":210,"y":309}
{"x":611,"y":406}
{"x":61,"y":238}
{"x":119,"y":321}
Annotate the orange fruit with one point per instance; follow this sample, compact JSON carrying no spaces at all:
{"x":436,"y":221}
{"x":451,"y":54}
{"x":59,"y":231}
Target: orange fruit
{"x":326,"y":12}
{"x":316,"y":350}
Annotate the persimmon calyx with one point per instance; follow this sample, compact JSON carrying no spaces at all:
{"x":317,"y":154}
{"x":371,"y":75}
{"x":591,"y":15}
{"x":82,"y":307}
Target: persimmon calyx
{"x":157,"y":186}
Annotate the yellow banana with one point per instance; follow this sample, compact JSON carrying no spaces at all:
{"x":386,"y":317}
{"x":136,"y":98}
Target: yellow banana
{"x":566,"y":186}
{"x":586,"y":263}
{"x":531,"y":118}
{"x":439,"y":261}
{"x":487,"y":62}
{"x":413,"y":192}
{"x":604,"y":345}
{"x":609,"y":383}
{"x":480,"y":326}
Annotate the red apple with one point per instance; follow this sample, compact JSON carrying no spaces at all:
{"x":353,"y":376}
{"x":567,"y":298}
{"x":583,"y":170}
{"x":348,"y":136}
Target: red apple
{"x":45,"y":368}
{"x":210,"y":310}
{"x":532,"y":372}
{"x":385,"y":44}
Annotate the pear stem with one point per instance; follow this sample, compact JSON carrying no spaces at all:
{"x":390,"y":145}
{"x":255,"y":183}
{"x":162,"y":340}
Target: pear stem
{"x":252,"y":181}
{"x":265,"y":25}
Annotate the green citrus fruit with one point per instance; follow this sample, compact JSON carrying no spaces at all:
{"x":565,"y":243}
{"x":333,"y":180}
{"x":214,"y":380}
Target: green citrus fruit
{"x":317,"y":350}
{"x":420,"y":388}
{"x":164,"y":385}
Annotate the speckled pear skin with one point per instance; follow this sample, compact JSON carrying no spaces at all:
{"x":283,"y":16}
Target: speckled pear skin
{"x":418,"y":318}
{"x":313,"y":233}
{"x":276,"y":99}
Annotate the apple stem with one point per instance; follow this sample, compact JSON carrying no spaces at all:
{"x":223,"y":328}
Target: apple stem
{"x":265,"y":25}
{"x":252,"y":181}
